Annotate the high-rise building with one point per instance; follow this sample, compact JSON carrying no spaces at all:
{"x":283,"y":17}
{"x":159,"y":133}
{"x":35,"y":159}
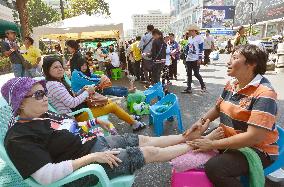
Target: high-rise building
{"x":266,"y":16}
{"x":154,"y":17}
{"x":6,"y":13}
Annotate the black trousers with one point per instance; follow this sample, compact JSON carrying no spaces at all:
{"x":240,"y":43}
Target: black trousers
{"x":192,"y":65}
{"x":173,"y":68}
{"x":206,"y":56}
{"x":225,"y":169}
{"x":130,"y":67}
{"x":109,"y":67}
{"x":137,"y":69}
{"x":156,"y":72}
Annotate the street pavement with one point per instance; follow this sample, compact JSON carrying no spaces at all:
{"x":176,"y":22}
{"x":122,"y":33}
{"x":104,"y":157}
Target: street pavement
{"x":192,"y":108}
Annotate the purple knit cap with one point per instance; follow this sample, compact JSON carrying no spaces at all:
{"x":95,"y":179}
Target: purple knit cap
{"x":15,"y":90}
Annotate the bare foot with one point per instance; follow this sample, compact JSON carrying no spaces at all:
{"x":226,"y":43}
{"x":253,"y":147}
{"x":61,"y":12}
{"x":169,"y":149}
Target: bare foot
{"x":196,"y":130}
{"x":216,"y":134}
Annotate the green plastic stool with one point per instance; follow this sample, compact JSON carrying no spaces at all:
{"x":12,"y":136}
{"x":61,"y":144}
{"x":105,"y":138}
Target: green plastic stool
{"x":116,"y":73}
{"x":134,"y":98}
{"x":99,"y":72}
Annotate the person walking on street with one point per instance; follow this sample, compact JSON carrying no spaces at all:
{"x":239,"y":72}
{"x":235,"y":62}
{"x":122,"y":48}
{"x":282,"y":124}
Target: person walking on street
{"x":194,"y":51}
{"x":136,"y":53}
{"x":130,"y":58}
{"x":174,"y":56}
{"x":158,"y":54}
{"x":33,"y":56}
{"x":208,"y":47}
{"x":10,"y":48}
{"x":145,"y":46}
{"x":241,"y":38}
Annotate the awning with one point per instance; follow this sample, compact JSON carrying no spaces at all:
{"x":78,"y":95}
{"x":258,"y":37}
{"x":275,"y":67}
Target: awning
{"x":7,"y":25}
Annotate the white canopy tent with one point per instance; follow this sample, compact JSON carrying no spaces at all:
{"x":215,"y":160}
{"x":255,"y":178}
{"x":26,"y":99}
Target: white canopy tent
{"x":80,"y":27}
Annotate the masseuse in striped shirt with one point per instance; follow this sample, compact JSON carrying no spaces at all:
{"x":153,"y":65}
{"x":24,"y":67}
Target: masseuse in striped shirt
{"x":247,"y":109}
{"x":64,"y":100}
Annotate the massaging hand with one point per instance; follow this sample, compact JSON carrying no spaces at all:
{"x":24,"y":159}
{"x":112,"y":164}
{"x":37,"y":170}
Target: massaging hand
{"x":107,"y":157}
{"x":197,"y":129}
{"x":201,"y":145}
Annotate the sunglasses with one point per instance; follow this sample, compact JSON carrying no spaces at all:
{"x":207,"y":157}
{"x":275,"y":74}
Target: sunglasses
{"x":38,"y":95}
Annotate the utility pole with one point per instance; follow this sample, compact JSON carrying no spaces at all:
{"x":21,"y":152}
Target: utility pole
{"x":62,"y":9}
{"x":250,"y":25}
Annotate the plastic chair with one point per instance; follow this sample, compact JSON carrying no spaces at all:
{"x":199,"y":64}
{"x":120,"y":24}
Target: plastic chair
{"x":92,"y":169}
{"x":191,"y":178}
{"x":278,"y":164}
{"x":157,"y":118}
{"x":116,"y":73}
{"x":156,"y":91}
{"x":67,"y":80}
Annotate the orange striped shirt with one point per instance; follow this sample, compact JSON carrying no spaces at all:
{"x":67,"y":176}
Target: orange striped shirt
{"x":255,"y":105}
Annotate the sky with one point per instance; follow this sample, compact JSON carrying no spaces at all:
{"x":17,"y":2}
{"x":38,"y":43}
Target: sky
{"x":122,"y":10}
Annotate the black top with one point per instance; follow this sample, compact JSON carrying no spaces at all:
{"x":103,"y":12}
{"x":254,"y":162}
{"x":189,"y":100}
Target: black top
{"x":158,"y":51}
{"x":31,"y":145}
{"x":15,"y":57}
{"x":74,"y":61}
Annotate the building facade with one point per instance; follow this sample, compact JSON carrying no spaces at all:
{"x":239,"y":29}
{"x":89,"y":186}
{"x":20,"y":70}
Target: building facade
{"x":154,"y":17}
{"x":265,"y":16}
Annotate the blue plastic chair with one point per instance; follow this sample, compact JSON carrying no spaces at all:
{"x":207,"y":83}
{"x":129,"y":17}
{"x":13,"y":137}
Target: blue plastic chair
{"x":156,"y":91}
{"x":92,"y":169}
{"x":279,"y":163}
{"x":157,"y":118}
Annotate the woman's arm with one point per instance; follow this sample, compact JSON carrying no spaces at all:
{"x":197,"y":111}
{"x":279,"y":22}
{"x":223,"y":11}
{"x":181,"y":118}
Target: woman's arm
{"x":58,"y":90}
{"x":50,"y":172}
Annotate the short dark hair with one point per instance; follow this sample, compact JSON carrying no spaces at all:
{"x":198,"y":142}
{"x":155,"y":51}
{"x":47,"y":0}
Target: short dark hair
{"x":240,"y":28}
{"x":99,"y":44}
{"x":208,"y":31}
{"x":150,"y":27}
{"x":156,"y":31}
{"x":254,"y":55}
{"x":73,"y":44}
{"x":29,"y":39}
{"x":138,"y":38}
{"x":172,"y":34}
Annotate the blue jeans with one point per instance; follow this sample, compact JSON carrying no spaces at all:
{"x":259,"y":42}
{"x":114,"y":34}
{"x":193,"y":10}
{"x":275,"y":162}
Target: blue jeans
{"x":118,"y":91}
{"x":19,"y":70}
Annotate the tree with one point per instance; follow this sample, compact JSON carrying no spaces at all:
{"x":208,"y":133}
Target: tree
{"x":40,"y":13}
{"x":21,"y":6}
{"x":89,"y":7}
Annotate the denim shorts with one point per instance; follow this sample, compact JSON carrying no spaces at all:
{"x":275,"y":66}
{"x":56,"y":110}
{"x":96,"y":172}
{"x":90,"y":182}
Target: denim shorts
{"x":130,"y":154}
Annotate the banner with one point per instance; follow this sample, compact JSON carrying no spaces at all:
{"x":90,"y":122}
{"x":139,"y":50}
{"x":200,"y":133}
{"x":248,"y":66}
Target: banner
{"x":218,"y":16}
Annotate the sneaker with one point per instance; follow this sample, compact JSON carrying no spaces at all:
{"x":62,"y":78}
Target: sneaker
{"x":113,"y":132}
{"x":136,"y":117}
{"x":187,"y":91}
{"x":141,"y":126}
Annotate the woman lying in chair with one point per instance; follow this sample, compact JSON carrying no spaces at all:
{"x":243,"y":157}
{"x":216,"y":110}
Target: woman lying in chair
{"x":44,"y":146}
{"x":82,"y":76}
{"x":64,"y":100}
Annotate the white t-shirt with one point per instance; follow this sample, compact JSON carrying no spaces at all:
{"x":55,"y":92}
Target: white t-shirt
{"x":194,"y":46}
{"x":168,"y":55}
{"x":98,"y":53}
{"x":114,"y":59}
{"x":208,"y":41}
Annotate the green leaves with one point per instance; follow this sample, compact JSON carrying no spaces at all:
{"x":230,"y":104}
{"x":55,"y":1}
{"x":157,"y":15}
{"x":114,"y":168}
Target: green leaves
{"x":89,"y":7}
{"x":40,"y":13}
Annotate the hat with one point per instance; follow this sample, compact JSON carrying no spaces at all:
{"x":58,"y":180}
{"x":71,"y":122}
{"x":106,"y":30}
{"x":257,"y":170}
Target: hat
{"x":193,"y":27}
{"x":10,"y":31}
{"x":15,"y":90}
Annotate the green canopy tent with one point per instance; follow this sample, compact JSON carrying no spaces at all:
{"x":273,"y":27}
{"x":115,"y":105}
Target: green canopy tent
{"x":7,"y":25}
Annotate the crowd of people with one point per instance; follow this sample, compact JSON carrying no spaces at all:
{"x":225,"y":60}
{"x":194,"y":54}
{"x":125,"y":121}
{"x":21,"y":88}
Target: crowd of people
{"x":59,"y":144}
